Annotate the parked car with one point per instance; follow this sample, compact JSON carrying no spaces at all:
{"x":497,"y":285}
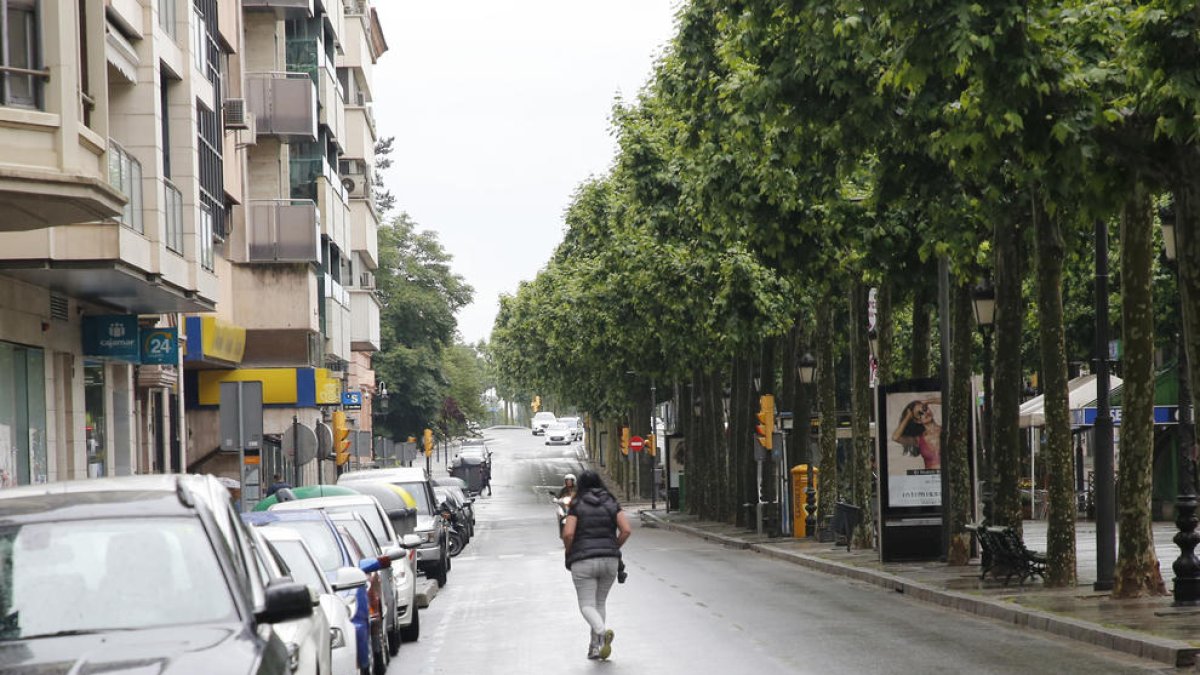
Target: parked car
{"x":400,"y":585}
{"x":161,"y":566}
{"x":375,"y":596}
{"x":345,"y":572}
{"x":541,"y":421}
{"x":308,"y":640}
{"x":557,"y":433}
{"x":302,"y":566}
{"x":575,"y":425}
{"x":433,"y":555}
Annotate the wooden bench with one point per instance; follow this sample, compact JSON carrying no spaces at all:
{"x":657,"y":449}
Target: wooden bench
{"x":1003,"y":554}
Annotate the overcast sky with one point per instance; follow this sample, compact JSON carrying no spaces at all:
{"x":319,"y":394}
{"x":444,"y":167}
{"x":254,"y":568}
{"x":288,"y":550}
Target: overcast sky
{"x":500,"y":108}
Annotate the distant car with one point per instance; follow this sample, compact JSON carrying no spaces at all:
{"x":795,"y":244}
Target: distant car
{"x":138,"y":573}
{"x":558,"y":434}
{"x":575,"y":425}
{"x":303,"y":567}
{"x":541,"y":421}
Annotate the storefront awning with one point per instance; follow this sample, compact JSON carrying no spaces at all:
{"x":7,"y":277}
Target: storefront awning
{"x":1080,"y":392}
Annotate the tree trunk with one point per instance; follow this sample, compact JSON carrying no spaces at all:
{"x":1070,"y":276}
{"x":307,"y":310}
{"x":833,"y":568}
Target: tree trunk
{"x":860,"y":415}
{"x":1137,"y":570}
{"x":1007,"y":384}
{"x":741,"y":435}
{"x":827,"y":403}
{"x":885,"y":329}
{"x":956,"y":436}
{"x":921,"y":326}
{"x":1058,"y":453}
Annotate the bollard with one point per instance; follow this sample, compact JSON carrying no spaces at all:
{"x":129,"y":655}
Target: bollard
{"x":800,"y":498}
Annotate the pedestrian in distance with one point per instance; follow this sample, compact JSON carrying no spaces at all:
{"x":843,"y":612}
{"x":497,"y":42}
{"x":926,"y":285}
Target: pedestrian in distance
{"x":593,"y":533}
{"x":277,"y":484}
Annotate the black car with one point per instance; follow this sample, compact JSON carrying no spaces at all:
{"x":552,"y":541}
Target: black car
{"x":145,"y":573}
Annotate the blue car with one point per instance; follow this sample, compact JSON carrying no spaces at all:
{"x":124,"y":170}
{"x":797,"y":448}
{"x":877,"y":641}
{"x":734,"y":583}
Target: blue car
{"x":322,"y":538}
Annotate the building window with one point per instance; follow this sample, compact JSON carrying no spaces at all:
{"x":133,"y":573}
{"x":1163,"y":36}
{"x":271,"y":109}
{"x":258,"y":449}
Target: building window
{"x":199,"y":40}
{"x":22,"y":415}
{"x":206,"y":237}
{"x":21,"y":75}
{"x":173,"y":217}
{"x":125,"y":174}
{"x":166,"y":16}
{"x":212,"y":172}
{"x":164,"y":101}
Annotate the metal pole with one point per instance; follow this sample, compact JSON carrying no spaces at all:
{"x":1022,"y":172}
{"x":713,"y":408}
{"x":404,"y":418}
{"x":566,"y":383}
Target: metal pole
{"x":987,"y":425}
{"x":654,"y":433}
{"x":758,"y":502}
{"x":1186,"y":584}
{"x":1106,"y":507}
{"x":296,"y":450}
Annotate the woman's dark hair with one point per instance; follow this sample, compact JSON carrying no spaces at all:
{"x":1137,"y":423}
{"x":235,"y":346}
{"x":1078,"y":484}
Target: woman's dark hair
{"x":589,"y":480}
{"x":913,"y":428}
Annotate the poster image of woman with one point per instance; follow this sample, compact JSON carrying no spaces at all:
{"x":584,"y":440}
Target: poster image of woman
{"x":920,"y":433}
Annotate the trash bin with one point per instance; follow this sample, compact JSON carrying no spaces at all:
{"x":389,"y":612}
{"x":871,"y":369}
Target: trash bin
{"x":846,"y":517}
{"x":800,"y":498}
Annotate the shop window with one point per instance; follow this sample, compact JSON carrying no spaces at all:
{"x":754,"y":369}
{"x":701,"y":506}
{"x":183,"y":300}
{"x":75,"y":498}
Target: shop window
{"x":22,"y":415}
{"x":21,"y":74}
{"x":96,"y":419}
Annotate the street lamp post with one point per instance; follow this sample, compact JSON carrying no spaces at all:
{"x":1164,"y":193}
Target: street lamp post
{"x":1186,"y":585}
{"x":1102,"y":430}
{"x":806,"y":369}
{"x":983,"y":296}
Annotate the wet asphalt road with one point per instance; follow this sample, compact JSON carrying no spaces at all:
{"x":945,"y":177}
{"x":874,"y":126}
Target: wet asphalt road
{"x":690,"y":606}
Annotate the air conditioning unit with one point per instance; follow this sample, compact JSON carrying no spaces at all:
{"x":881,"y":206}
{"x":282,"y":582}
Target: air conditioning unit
{"x":366,"y":280}
{"x":357,"y":186}
{"x":236,"y":114}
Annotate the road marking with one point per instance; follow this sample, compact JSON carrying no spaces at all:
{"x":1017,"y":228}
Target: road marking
{"x":510,"y":556}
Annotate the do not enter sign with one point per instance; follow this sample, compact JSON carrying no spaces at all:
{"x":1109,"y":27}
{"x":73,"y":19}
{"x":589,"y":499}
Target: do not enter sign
{"x":636,"y":443}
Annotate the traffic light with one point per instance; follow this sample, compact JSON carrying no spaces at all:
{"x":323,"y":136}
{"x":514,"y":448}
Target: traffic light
{"x":651,"y":445}
{"x":764,"y":430}
{"x":341,"y":438}
{"x":624,"y":440}
{"x":428,"y":441}
{"x":537,"y":403}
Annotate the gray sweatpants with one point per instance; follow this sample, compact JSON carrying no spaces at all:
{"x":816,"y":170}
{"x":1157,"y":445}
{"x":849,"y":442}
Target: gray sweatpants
{"x":593,"y":578}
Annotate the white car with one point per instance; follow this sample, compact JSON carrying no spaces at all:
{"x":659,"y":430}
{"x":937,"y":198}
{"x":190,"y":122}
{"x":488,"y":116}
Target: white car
{"x":308,"y":640}
{"x":575,"y":425}
{"x":303,"y":567}
{"x":402,"y":605}
{"x":541,"y":421}
{"x":558,"y":434}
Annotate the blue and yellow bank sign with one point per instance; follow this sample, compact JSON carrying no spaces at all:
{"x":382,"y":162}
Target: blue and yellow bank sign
{"x":213,"y":340}
{"x":299,"y":387}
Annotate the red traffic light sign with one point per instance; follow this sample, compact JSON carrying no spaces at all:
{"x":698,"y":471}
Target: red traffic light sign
{"x":636,"y":443}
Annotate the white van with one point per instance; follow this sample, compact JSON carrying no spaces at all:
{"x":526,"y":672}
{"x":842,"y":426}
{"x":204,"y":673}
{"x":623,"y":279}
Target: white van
{"x":541,"y":421}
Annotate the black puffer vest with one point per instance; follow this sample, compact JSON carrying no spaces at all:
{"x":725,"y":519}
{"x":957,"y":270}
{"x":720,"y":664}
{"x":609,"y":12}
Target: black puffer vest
{"x":596,"y":526}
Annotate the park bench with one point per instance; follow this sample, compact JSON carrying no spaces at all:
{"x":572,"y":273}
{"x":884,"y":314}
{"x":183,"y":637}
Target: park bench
{"x":1003,"y":554}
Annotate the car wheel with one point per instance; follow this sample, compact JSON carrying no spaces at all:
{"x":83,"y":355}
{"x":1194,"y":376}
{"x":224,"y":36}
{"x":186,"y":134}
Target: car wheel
{"x":381,"y":656}
{"x":394,"y":639}
{"x":412,"y":632}
{"x":439,"y":572}
{"x":456,"y":544}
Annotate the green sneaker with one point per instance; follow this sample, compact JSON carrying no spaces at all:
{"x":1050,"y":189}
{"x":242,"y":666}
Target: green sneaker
{"x":606,"y":647}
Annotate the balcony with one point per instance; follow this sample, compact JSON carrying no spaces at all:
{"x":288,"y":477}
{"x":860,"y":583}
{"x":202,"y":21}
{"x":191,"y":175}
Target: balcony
{"x":291,"y":9}
{"x":364,"y":320}
{"x":282,"y":231}
{"x":284,"y":104}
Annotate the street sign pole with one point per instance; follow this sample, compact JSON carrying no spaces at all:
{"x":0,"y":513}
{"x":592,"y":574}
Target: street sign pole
{"x":296,"y":450}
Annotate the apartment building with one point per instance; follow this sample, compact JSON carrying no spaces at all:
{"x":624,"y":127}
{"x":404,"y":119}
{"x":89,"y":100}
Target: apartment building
{"x":304,"y":244}
{"x":171,"y":215}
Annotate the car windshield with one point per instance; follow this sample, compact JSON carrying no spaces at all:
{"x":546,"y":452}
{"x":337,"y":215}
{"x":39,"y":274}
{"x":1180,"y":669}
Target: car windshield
{"x":369,"y":514}
{"x":361,"y":537}
{"x":321,"y":540}
{"x":300,"y":564}
{"x":420,"y":494}
{"x":98,"y":575}
{"x":557,"y":426}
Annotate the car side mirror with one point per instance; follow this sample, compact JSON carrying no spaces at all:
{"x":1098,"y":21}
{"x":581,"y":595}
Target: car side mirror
{"x":412,"y":541}
{"x":347,"y":578}
{"x":394,"y":552}
{"x":286,"y":600}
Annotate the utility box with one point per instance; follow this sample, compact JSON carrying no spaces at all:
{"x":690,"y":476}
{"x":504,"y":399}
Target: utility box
{"x":800,"y":498}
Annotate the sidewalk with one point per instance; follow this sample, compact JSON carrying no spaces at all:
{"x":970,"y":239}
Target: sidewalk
{"x":1149,"y":627}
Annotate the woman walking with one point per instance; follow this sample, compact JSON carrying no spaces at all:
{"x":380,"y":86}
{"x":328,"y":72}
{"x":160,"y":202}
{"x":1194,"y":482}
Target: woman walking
{"x":593,"y":533}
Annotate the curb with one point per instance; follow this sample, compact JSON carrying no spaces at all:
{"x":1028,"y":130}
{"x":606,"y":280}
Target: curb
{"x":1174,"y":653}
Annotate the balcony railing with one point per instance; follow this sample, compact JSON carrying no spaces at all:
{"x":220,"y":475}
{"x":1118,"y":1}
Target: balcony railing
{"x":289,"y":8}
{"x":283,"y":103}
{"x":125,"y":174}
{"x":283,"y":231}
